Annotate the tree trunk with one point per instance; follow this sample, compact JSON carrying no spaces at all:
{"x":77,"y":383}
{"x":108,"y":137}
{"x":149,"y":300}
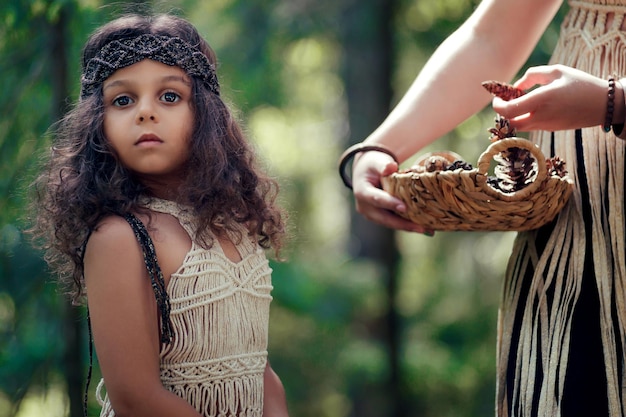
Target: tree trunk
{"x":73,"y":320}
{"x":368,"y":53}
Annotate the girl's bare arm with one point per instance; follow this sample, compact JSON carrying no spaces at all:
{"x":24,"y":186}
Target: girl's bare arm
{"x":274,"y":400}
{"x":123,"y":314}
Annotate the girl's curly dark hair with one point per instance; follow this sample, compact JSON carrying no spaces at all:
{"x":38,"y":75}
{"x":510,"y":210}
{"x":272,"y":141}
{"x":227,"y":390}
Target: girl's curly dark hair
{"x":83,"y":181}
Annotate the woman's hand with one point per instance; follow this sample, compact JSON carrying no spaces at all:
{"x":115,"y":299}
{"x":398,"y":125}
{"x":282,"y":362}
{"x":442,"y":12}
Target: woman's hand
{"x":374,"y":203}
{"x":566,"y":98}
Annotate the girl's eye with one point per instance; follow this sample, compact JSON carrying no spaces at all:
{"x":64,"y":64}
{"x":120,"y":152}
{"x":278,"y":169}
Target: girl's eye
{"x":122,"y":101}
{"x":170,"y":97}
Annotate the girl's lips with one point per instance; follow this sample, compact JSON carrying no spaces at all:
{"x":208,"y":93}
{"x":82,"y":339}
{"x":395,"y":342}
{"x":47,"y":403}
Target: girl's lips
{"x":148,"y":138}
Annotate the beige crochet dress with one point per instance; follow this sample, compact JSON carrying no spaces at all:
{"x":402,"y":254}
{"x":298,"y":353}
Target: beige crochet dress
{"x":561,"y":348}
{"x":219,"y":315}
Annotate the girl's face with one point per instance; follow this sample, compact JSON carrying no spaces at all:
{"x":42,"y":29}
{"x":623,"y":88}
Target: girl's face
{"x":148,"y":119}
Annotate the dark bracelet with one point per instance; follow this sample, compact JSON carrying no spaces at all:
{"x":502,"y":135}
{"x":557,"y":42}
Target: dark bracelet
{"x":610,"y":106}
{"x":618,"y":128}
{"x":349,"y":154}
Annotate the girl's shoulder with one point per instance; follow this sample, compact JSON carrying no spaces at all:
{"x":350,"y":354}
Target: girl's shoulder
{"x":111,"y":226}
{"x":114,"y":241}
{"x":114,"y":228}
{"x":113,"y":263}
{"x":111,"y":239}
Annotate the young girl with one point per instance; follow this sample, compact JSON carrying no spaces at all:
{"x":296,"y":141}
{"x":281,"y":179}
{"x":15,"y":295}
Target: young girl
{"x":179,"y":313}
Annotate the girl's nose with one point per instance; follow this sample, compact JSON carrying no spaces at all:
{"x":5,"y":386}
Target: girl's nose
{"x":141,"y":118}
{"x":146,"y":111}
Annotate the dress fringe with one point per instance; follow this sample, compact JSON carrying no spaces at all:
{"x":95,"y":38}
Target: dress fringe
{"x":588,"y":43}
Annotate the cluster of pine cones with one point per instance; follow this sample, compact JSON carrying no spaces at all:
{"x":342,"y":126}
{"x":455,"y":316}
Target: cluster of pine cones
{"x":516,"y":167}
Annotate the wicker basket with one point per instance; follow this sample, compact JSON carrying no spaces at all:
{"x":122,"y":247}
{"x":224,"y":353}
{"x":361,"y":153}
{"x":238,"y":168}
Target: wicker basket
{"x":464,"y":200}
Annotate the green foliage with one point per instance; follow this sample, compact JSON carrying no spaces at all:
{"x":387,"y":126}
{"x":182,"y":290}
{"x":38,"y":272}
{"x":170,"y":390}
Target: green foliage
{"x":321,"y":345}
{"x":449,"y":296}
{"x":30,"y":350}
{"x":32,"y":310}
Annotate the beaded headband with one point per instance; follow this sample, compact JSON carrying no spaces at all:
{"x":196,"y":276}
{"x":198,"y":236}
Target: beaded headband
{"x":167,"y":50}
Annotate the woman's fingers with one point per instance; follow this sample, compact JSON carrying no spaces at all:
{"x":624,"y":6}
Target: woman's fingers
{"x":374,"y":203}
{"x":539,"y":75}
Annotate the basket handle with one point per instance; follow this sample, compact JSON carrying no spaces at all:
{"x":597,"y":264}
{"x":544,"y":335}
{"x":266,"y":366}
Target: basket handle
{"x":500,"y":145}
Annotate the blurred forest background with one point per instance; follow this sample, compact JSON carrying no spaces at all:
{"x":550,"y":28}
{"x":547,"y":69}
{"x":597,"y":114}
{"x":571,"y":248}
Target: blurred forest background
{"x":365,"y":322}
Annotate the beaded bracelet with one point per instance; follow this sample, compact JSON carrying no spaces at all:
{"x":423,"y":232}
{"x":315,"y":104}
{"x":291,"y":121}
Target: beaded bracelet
{"x":351,"y":152}
{"x":618,"y":128}
{"x":610,"y":106}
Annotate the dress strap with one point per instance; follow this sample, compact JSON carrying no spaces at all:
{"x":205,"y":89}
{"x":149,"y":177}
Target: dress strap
{"x":156,"y":275}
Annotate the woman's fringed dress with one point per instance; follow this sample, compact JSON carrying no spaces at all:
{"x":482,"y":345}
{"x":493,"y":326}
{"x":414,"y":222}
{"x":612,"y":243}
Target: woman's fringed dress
{"x":563,"y":312}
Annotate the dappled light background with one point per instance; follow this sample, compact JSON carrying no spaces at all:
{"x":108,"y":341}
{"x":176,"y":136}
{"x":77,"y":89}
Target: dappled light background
{"x":283,"y":66}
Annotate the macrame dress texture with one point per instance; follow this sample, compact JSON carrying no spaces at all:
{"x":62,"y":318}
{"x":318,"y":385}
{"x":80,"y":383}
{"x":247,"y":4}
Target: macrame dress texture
{"x":563,"y":315}
{"x":220,"y":317}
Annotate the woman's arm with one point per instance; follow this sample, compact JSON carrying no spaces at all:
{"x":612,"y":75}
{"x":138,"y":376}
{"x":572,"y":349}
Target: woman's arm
{"x":274,"y":399}
{"x":493,"y":43}
{"x":123,"y":313}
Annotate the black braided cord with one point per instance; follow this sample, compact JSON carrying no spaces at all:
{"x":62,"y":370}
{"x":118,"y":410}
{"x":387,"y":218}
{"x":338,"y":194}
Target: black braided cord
{"x":156,"y":276}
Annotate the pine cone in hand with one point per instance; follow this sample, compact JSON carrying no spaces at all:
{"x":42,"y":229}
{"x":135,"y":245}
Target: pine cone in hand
{"x":503,"y":90}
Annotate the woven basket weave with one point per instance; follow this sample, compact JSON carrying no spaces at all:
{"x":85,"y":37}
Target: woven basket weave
{"x":464,"y":200}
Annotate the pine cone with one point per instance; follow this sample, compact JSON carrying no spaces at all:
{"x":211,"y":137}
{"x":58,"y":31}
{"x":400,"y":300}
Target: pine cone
{"x":515,"y":169}
{"x":466,"y":166}
{"x":556,"y":167}
{"x":503,"y":90}
{"x":502,"y":129}
{"x":435,"y":163}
